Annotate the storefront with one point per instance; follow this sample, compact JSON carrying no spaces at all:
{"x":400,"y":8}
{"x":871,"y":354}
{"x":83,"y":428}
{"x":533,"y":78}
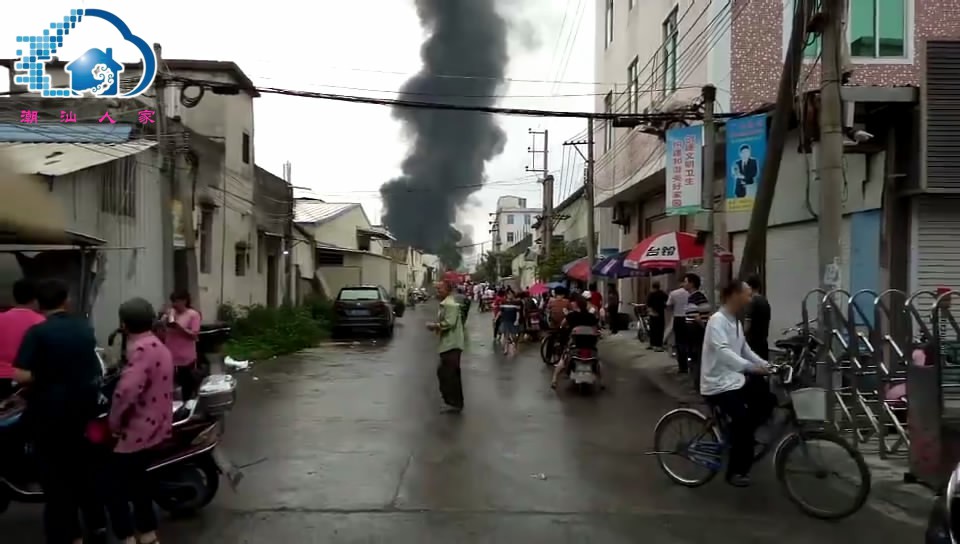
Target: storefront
{"x":935,"y":242}
{"x":792,"y":268}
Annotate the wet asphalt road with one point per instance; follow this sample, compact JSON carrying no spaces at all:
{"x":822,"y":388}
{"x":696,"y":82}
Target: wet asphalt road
{"x":348,"y":445}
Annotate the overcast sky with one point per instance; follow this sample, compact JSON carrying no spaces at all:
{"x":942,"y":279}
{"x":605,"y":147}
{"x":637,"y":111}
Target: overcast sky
{"x":365,"y":47}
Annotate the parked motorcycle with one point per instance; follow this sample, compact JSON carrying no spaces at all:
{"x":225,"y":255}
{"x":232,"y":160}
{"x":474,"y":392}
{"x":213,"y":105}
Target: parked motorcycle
{"x":186,"y":469}
{"x":584,"y":363}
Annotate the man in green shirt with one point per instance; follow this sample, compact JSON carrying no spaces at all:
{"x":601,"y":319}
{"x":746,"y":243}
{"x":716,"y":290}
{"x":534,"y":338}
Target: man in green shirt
{"x":449,"y":329}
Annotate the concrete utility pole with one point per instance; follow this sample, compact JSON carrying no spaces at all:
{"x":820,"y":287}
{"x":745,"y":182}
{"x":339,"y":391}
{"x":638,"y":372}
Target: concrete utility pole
{"x":755,"y":250}
{"x":830,"y":157}
{"x":707,"y":190}
{"x":288,"y":236}
{"x":546,"y":219}
{"x":589,"y":195}
{"x":170,"y":171}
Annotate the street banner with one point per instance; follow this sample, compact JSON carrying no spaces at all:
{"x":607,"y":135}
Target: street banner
{"x":684,"y":170}
{"x":746,"y":151}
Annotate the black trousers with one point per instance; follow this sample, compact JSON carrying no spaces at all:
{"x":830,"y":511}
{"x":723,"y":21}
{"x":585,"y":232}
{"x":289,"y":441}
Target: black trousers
{"x":693,"y":337}
{"x":185,"y":377}
{"x":129,"y":486}
{"x":745,"y":408}
{"x":680,"y":344}
{"x":613,"y":317}
{"x":657,"y":326}
{"x":448,"y":376}
{"x":68,"y":478}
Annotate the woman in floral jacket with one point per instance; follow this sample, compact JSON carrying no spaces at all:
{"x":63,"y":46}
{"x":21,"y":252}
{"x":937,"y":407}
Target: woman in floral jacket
{"x":141,"y":418}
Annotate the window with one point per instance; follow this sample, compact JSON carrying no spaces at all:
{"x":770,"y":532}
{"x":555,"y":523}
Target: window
{"x":118,"y":194}
{"x":206,"y":238}
{"x":607,"y":124}
{"x":608,"y":25}
{"x":876,"y":29}
{"x":246,"y":148}
{"x":526,"y":219}
{"x":523,"y":202}
{"x":670,"y":35}
{"x":509,"y":218}
{"x":241,"y":259}
{"x":360,"y":294}
{"x":509,"y":237}
{"x":633,"y":86}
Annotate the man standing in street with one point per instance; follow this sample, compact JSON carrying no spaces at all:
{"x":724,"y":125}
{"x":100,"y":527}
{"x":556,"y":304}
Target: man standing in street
{"x":58,"y":359}
{"x":757,"y":320}
{"x":450,"y":330}
{"x":677,"y":303}
{"x":656,"y":310}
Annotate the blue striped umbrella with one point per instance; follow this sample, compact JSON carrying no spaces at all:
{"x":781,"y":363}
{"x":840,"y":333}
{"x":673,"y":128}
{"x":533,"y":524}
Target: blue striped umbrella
{"x":613,"y":267}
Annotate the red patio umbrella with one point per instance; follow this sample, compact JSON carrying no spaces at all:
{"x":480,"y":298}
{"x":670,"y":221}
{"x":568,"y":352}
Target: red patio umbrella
{"x":578,"y":269}
{"x":668,"y":250}
{"x":538,"y":289}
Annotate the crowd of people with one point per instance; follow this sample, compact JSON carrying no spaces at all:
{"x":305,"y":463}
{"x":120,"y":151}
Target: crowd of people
{"x":49,"y":354}
{"x":725,"y":351}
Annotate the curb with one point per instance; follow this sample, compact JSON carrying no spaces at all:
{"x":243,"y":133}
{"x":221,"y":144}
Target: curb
{"x":889,"y":496}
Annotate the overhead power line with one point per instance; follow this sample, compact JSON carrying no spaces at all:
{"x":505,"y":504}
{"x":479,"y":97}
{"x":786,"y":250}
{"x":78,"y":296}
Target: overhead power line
{"x":221,"y":88}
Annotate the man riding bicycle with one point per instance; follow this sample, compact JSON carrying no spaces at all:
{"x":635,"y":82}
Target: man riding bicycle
{"x":726,"y":362}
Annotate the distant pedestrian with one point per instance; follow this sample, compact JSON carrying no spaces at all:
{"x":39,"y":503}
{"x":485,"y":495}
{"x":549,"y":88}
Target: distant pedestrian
{"x":656,"y":310}
{"x":697,"y":314}
{"x":677,"y":304}
{"x":757,"y":320}
{"x":613,"y":309}
{"x":450,"y":330}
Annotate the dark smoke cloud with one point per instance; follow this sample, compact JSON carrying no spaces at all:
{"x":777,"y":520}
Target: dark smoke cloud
{"x":449,"y":149}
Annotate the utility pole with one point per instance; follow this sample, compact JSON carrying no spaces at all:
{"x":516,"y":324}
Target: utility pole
{"x":288,"y":236}
{"x":830,"y":156}
{"x":755,"y":250}
{"x":588,"y":194}
{"x":546,"y":219}
{"x":170,"y":171}
{"x":707,"y":189}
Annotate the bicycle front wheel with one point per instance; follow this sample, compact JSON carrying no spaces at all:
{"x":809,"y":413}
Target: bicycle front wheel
{"x":822,"y":454}
{"x":688,"y":447}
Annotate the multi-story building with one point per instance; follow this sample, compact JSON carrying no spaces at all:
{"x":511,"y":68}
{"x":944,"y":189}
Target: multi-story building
{"x":894,"y":232}
{"x":512,"y":221}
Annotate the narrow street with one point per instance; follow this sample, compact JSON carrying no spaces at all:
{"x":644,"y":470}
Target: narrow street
{"x":347,"y":445}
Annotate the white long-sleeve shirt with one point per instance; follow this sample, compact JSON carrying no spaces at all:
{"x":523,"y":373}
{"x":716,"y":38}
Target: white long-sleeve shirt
{"x":726,"y":355}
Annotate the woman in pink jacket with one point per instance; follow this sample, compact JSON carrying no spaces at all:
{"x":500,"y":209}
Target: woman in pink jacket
{"x":141,"y":418}
{"x":183,"y":326}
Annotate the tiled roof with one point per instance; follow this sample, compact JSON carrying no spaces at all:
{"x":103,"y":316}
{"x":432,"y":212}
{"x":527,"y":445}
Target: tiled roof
{"x":317,"y":211}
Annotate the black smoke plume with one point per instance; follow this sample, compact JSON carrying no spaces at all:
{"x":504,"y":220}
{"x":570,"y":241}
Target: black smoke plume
{"x":464,"y":62}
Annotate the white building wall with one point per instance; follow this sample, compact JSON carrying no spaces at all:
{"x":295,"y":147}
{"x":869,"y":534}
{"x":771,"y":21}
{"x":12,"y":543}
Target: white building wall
{"x":625,"y":156}
{"x":342,"y":231}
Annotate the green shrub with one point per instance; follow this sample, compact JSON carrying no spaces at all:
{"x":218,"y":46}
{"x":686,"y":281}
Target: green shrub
{"x":258,"y":332}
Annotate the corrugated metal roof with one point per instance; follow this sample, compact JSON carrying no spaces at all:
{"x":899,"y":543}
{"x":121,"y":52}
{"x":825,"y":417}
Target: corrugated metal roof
{"x":58,"y":159}
{"x":317,"y":211}
{"x":66,"y":133}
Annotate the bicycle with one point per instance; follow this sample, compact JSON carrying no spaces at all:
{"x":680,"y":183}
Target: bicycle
{"x":551,"y":347}
{"x":804,"y":424}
